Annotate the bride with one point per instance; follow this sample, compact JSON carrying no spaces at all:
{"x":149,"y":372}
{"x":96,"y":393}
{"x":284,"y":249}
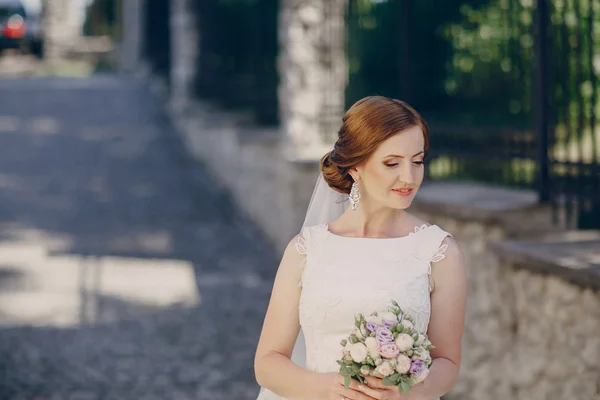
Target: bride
{"x":355,"y":259}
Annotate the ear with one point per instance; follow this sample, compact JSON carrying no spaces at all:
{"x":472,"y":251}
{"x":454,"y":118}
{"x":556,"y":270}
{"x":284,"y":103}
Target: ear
{"x":354,"y":174}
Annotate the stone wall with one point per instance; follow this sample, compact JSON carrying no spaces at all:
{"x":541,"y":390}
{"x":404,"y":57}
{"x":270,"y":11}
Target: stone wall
{"x":250,"y":164}
{"x":529,"y":333}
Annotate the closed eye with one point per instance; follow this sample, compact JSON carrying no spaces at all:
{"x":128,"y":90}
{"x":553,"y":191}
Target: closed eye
{"x":392,"y":165}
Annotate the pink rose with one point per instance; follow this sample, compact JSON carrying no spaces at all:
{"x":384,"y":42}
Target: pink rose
{"x":389,"y":350}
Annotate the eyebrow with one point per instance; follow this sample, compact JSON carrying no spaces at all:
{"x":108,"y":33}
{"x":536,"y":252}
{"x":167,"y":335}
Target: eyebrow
{"x":398,"y":156}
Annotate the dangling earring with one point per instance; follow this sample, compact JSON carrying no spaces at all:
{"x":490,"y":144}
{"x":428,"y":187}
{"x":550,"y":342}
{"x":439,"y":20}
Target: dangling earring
{"x":354,"y":196}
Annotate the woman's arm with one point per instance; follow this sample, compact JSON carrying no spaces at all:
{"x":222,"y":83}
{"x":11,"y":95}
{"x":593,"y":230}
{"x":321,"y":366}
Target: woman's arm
{"x":272,"y":365}
{"x":448,"y":302}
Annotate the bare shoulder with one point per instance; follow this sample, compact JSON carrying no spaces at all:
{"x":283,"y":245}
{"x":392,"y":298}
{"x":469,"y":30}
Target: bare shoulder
{"x":453,"y":252}
{"x":295,"y":249}
{"x":450,"y":269}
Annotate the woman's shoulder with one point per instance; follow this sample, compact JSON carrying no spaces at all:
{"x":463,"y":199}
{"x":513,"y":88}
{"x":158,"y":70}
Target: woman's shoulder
{"x":301,"y":241}
{"x":439,"y":237}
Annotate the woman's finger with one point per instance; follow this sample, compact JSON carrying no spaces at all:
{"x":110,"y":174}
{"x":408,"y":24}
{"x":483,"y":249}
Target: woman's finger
{"x":376,"y":382}
{"x":372,"y":392}
{"x":351,"y":394}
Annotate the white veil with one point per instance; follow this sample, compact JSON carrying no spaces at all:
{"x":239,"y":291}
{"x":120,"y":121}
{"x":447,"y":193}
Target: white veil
{"x":325,"y":205}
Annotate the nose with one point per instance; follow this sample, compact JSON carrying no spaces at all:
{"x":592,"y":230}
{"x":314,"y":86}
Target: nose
{"x":407,"y":174}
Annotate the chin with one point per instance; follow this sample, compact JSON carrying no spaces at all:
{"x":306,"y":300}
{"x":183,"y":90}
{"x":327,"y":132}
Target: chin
{"x":401,"y":205}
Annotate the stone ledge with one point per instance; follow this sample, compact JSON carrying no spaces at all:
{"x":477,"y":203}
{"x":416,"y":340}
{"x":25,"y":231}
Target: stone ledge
{"x":573,"y":255}
{"x":486,"y":204}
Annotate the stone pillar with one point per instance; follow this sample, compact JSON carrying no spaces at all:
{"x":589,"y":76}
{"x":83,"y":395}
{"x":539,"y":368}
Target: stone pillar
{"x":132,"y":39}
{"x":313,"y":71}
{"x":63,"y":23}
{"x":184,"y":50}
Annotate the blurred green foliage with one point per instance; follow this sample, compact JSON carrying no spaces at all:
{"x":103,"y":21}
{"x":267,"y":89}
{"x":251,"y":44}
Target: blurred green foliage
{"x":103,"y":17}
{"x":471,"y":61}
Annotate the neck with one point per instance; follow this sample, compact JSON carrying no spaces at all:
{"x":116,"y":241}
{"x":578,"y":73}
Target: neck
{"x":373,"y":220}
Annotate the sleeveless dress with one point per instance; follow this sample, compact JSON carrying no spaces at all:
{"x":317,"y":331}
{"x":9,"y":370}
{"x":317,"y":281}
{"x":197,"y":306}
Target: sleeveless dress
{"x":343,"y":276}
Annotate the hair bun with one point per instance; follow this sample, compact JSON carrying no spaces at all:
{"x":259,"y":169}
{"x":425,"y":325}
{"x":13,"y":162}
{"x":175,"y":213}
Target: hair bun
{"x":336,"y":177}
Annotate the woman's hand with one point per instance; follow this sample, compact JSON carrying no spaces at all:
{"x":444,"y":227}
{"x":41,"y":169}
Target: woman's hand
{"x":393,"y":393}
{"x":330,"y":386}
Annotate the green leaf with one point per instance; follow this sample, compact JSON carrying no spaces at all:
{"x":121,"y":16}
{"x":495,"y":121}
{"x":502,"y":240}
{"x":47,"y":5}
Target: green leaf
{"x":405,"y":387}
{"x":391,"y":380}
{"x":347,"y":381}
{"x":387,"y":381}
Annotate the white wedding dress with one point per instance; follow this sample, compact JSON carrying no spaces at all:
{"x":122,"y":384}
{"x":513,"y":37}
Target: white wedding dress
{"x":343,"y":276}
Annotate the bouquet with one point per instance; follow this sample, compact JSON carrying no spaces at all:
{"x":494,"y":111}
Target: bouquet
{"x":385,"y":344}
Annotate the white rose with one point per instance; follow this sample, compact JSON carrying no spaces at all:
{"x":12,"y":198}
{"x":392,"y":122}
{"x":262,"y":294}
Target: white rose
{"x":359,"y":352}
{"x":420,"y":339}
{"x":407,"y":324}
{"x":374,"y":353}
{"x":392,"y":362}
{"x":402,"y":364}
{"x":420,"y":378}
{"x":385,"y":369}
{"x":388,"y":316}
{"x":404,"y":342}
{"x":371,"y":343}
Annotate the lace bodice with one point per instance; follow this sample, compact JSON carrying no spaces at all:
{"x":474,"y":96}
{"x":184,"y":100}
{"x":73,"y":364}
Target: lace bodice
{"x":343,"y":276}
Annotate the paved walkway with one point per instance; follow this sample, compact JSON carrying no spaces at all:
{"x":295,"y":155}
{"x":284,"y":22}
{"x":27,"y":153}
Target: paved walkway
{"x":125,"y":270}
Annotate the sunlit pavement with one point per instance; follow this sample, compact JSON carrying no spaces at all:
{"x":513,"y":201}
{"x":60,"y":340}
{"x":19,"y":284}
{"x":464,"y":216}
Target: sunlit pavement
{"x":125,"y":270}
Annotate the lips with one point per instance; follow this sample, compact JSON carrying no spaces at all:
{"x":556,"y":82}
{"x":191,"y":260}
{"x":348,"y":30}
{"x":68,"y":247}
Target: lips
{"x":403,"y":192}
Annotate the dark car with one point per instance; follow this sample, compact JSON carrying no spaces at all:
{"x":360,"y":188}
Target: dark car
{"x":13,"y":25}
{"x":34,"y":35}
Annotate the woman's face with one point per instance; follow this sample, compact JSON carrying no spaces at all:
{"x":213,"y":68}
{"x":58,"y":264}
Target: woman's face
{"x":392,"y":175}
